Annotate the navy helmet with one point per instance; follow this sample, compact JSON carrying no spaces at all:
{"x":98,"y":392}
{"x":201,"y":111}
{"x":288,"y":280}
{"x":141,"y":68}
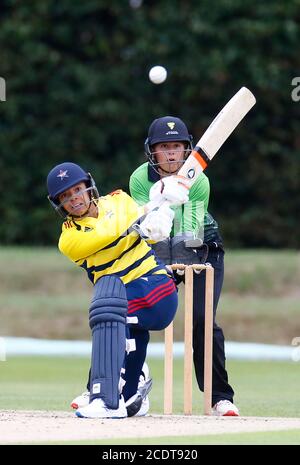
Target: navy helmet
{"x":64,"y":176}
{"x":167,"y":129}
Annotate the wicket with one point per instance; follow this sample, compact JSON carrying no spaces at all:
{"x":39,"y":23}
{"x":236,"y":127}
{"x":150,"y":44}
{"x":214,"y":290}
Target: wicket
{"x":189,"y":270}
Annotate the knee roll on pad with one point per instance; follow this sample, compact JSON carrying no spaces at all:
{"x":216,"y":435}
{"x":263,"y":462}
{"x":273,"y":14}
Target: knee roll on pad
{"x":109,"y":299}
{"x":108,"y":324}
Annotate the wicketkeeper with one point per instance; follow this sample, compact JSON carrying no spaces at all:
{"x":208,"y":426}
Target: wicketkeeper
{"x":133,"y":292}
{"x":195,"y":238}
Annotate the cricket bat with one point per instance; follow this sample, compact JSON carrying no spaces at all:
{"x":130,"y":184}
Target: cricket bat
{"x":217,"y":133}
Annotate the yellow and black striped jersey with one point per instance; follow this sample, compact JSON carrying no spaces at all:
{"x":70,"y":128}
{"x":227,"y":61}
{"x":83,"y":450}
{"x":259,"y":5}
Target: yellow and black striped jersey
{"x":107,"y":244}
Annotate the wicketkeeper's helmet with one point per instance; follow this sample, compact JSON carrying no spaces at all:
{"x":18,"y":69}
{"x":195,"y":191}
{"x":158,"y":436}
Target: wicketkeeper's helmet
{"x":167,"y":129}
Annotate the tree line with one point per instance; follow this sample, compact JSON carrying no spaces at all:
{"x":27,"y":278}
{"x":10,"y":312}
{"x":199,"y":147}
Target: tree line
{"x":77,"y":89}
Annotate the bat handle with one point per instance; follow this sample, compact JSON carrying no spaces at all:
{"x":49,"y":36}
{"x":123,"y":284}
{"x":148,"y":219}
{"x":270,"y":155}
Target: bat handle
{"x":155,"y":205}
{"x":150,"y":207}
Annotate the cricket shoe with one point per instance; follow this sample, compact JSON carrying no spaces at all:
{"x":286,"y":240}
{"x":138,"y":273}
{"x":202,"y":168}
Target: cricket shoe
{"x":225,"y":408}
{"x":138,"y":405}
{"x":81,"y":401}
{"x":141,"y":408}
{"x":144,"y":408}
{"x":98,"y":409}
{"x":84,"y":399}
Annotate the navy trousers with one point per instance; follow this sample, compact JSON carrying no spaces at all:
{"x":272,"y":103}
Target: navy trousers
{"x":153,"y":299}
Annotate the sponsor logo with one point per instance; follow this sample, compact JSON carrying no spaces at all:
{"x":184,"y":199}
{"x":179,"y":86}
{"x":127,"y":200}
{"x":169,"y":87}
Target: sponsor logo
{"x":191,"y":173}
{"x":62,"y":175}
{"x":109,"y":214}
{"x":171,"y":125}
{"x":169,"y":133}
{"x":96,"y":388}
{"x":68,"y":224}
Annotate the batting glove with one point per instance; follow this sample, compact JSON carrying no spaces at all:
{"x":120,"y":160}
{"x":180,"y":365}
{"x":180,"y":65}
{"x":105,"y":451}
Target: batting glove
{"x":157,"y":225}
{"x":174,"y":189}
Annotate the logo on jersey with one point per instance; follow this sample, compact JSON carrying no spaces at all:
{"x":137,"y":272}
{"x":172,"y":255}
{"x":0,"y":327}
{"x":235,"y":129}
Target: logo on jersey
{"x":62,"y":175}
{"x":68,"y":224}
{"x":109,"y":214}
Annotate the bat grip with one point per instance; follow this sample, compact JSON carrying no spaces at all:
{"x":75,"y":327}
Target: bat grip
{"x":149,"y":207}
{"x":155,"y":205}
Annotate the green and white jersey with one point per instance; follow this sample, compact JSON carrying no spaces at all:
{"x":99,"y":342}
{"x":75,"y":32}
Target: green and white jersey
{"x":190,"y":217}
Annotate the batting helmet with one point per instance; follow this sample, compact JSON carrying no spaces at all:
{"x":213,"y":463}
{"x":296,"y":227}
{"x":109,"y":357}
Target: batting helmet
{"x":64,"y":176}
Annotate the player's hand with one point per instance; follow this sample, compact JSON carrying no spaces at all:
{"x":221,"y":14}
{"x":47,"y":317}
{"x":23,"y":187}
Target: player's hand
{"x":174,"y":189}
{"x":157,"y":225}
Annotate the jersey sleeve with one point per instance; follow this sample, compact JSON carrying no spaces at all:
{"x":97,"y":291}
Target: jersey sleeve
{"x":200,"y":191}
{"x":79,"y":244}
{"x":138,"y":191}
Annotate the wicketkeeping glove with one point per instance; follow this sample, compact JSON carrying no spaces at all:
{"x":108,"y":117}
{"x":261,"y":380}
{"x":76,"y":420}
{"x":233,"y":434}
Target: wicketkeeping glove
{"x":174,"y":189}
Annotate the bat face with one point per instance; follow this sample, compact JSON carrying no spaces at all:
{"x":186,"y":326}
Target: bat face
{"x":217,"y":133}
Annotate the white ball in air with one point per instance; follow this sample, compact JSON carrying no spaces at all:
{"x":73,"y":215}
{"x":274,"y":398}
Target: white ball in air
{"x":158,"y":74}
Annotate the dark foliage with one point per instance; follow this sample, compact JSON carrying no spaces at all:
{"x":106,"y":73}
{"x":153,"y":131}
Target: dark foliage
{"x":78,"y":90}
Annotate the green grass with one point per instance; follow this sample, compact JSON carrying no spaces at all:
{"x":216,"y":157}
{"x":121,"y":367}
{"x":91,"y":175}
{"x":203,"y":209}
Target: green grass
{"x":42,"y":383}
{"x":268,"y":389}
{"x":290,"y":437}
{"x":45,"y":295}
{"x":268,"y":272}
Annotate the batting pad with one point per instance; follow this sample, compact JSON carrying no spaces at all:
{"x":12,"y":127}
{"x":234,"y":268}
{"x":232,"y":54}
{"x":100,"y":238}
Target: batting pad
{"x":108,"y":324}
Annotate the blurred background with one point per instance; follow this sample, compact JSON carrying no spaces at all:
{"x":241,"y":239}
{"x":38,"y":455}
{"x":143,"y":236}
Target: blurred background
{"x":77,"y":89}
